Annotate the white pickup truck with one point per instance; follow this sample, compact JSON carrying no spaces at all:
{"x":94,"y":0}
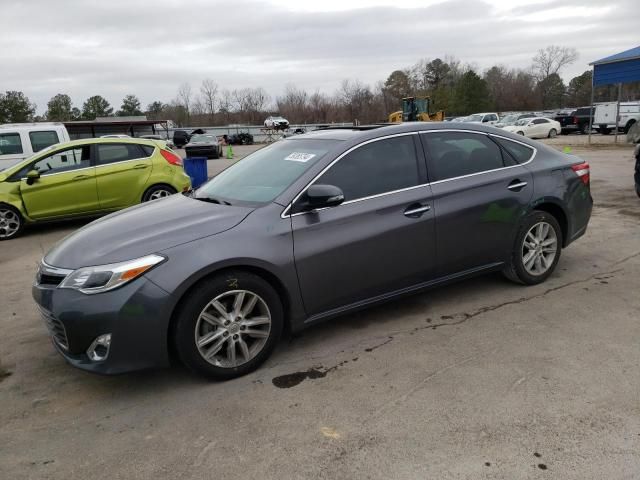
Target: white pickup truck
{"x":604,"y":119}
{"x":21,"y":140}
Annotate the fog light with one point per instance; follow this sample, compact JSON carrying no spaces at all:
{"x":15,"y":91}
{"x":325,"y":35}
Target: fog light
{"x":99,"y":348}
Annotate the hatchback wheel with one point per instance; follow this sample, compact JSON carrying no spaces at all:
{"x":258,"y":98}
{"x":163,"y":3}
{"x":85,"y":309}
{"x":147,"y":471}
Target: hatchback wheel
{"x":11,"y":222}
{"x":229,"y":325}
{"x":158,"y":191}
{"x":537,"y":249}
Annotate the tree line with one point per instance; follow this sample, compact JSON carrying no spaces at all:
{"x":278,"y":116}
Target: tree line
{"x":455,"y":87}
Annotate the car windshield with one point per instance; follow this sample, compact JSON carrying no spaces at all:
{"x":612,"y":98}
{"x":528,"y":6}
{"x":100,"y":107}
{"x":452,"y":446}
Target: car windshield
{"x":263,"y":175}
{"x":509,"y":120}
{"x":203,"y":138}
{"x":474,"y":118}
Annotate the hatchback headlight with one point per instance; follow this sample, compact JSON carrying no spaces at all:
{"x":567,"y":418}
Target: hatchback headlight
{"x":102,"y":278}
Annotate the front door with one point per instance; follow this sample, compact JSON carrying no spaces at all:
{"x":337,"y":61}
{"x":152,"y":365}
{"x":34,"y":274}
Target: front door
{"x":122,"y":170}
{"x":67,"y":184}
{"x":380,"y":240}
{"x":480,"y":192}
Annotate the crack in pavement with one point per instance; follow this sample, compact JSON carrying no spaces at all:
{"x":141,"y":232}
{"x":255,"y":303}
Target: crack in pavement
{"x":293,"y":379}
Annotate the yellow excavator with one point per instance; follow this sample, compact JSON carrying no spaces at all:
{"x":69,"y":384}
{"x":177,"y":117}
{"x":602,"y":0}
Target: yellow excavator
{"x":416,"y":109}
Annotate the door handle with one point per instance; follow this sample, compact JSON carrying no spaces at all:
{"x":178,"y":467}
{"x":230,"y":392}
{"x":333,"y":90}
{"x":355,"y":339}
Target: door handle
{"x":517,"y":185}
{"x":140,"y":167}
{"x":80,"y":177}
{"x":416,"y":210}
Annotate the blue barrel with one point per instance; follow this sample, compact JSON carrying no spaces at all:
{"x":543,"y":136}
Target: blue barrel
{"x":196,"y":168}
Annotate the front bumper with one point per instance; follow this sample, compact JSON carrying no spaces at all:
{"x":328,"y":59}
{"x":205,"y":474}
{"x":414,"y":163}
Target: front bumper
{"x":137,"y":316}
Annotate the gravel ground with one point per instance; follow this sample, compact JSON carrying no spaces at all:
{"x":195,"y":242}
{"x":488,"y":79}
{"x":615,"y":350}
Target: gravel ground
{"x":479,"y":380}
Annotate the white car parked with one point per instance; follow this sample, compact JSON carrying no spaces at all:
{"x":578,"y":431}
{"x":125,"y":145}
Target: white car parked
{"x":490,"y":118}
{"x":536,"y":127}
{"x":276,"y":123}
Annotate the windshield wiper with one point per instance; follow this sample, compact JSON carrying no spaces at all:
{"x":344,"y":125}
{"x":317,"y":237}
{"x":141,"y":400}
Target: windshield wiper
{"x":213,"y":200}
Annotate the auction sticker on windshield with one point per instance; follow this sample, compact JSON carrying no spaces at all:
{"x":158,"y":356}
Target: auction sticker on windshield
{"x":299,"y":156}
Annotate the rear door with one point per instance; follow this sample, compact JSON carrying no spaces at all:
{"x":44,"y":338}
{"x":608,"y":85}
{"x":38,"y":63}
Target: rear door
{"x":122,"y":171}
{"x":479,"y":194}
{"x":67,"y":184}
{"x":381,"y":239}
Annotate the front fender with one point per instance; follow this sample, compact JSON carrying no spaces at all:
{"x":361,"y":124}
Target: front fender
{"x":10,"y":195}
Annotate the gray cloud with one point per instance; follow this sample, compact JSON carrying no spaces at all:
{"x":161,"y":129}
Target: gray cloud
{"x":148,"y":48}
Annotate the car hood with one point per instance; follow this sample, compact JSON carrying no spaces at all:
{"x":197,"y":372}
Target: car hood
{"x":142,"y":230}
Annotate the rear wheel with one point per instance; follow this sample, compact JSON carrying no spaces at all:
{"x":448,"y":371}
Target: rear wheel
{"x":552,"y":133}
{"x":585,"y":128}
{"x":157,"y":192}
{"x":536,"y":250}
{"x":11,"y":222}
{"x":628,"y":126}
{"x":228,"y":325}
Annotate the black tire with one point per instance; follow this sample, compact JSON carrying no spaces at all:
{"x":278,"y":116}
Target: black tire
{"x":191,"y":306}
{"x":8,"y":218}
{"x":156,"y":191}
{"x":604,"y":130}
{"x":584,"y":128}
{"x":515,"y":269}
{"x":628,"y":126}
{"x":638,"y":190}
{"x":552,"y":133}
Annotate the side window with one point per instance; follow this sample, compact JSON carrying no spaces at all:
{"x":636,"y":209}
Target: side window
{"x":493,"y":117}
{"x":117,"y":152}
{"x":10,"y":143}
{"x":521,"y":153}
{"x":147,"y":149}
{"x":40,"y":140}
{"x":62,"y":161}
{"x":538,"y":121}
{"x":455,"y":154}
{"x":378,"y":167}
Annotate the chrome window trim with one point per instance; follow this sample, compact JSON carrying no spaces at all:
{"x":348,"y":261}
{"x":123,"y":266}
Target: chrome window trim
{"x":285,"y":213}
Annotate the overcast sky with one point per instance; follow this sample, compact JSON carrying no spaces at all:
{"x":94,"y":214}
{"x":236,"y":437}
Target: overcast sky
{"x":116,"y":47}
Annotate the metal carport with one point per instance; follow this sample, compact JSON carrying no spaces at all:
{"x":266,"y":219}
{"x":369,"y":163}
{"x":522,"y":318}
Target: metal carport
{"x":623,"y":67}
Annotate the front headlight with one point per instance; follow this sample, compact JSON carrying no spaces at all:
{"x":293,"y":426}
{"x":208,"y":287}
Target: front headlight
{"x":102,"y":278}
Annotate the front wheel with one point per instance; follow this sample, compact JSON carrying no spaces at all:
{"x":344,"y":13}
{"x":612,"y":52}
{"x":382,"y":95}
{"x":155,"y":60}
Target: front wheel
{"x":11,"y":222}
{"x":552,"y":133}
{"x":229,"y":325}
{"x":157,"y":192}
{"x":536,"y":250}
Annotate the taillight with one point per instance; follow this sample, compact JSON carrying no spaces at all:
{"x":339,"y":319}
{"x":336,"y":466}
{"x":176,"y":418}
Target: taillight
{"x":575,"y":120}
{"x":171,"y":157}
{"x":582,"y":170}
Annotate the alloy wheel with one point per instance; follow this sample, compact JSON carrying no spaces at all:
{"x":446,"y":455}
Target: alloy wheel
{"x":539,"y":248}
{"x":233,"y":328}
{"x":9,"y":223}
{"x":159,"y":194}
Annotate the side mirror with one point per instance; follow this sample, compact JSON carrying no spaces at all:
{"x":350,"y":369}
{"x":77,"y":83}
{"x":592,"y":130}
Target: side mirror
{"x":321,"y":196}
{"x":32,"y":176}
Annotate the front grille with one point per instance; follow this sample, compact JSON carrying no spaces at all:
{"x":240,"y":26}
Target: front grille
{"x":50,"y":280}
{"x":56,"y":329}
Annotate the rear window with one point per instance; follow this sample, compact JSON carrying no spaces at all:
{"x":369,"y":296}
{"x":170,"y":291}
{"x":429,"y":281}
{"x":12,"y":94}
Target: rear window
{"x":521,"y":153}
{"x":40,"y":140}
{"x":147,"y":149}
{"x":10,"y":144}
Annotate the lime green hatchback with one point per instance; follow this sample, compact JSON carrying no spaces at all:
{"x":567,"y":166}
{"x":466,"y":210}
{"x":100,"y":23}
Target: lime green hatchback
{"x":87,"y":177}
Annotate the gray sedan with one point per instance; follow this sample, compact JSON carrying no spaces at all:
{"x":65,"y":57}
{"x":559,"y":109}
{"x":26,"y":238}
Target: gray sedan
{"x":306,"y":229}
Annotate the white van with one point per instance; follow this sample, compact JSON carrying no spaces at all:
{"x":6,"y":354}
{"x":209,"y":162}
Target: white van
{"x":604,"y":118}
{"x":21,"y":140}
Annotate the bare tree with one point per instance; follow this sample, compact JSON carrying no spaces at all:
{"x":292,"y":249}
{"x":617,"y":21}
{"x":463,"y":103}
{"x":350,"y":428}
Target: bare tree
{"x":552,"y":59}
{"x":184,"y":97}
{"x":209,"y":93}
